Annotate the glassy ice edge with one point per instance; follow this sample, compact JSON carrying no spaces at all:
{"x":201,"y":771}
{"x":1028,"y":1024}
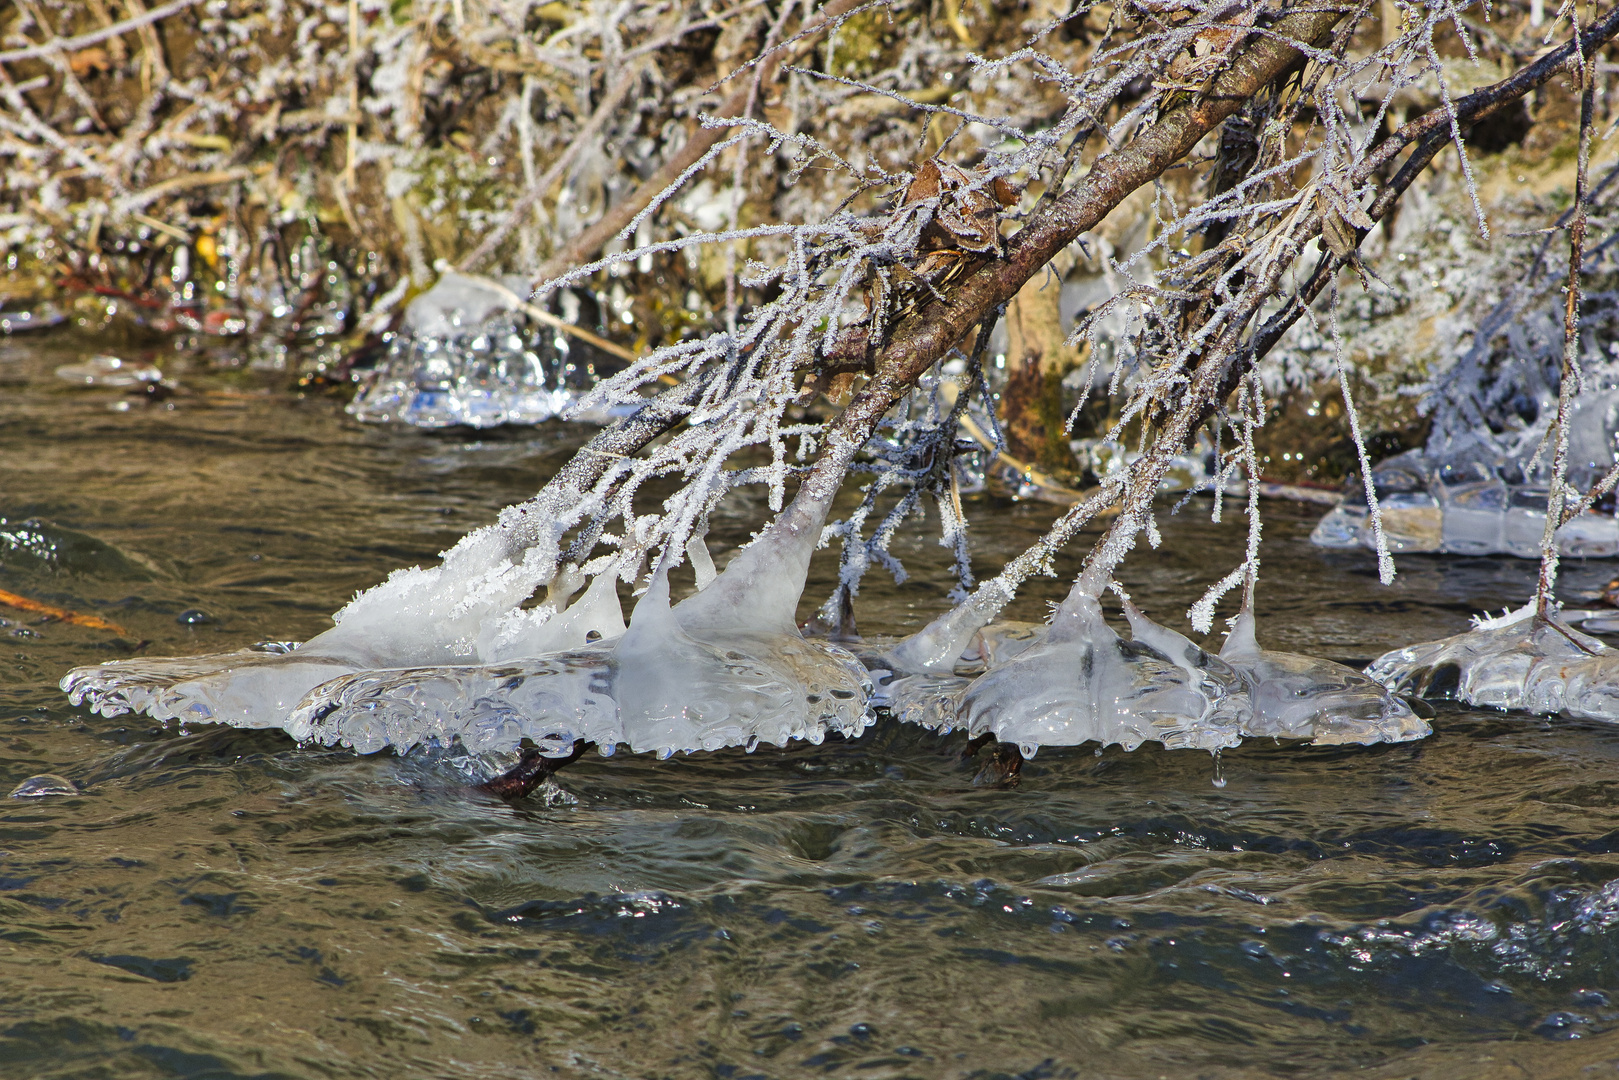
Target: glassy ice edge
{"x":1519,"y":661}
{"x":1483,"y":493}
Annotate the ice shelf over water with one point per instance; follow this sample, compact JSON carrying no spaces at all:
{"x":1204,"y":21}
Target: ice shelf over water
{"x":1091,"y":685}
{"x":1518,"y":661}
{"x":725,"y":667}
{"x":1485,"y":494}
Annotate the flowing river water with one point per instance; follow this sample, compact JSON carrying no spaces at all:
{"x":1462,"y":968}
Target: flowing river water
{"x":222,"y":903}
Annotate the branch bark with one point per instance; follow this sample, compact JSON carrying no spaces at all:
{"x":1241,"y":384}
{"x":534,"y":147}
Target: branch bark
{"x":935,"y":329}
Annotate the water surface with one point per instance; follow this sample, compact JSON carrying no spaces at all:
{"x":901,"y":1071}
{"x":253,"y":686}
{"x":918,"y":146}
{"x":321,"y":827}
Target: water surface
{"x":217,"y":903}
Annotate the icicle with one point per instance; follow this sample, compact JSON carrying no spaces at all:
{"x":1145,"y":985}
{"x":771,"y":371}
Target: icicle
{"x":701,"y":561}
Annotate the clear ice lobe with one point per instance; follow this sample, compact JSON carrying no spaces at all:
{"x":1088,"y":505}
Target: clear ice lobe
{"x":1302,"y":697}
{"x":466,"y":356}
{"x":1474,"y":498}
{"x":248,"y":688}
{"x":1519,"y":661}
{"x":1082,"y":683}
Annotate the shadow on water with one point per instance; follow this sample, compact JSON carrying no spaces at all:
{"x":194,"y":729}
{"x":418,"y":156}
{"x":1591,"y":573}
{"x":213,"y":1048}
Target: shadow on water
{"x":221,"y":903}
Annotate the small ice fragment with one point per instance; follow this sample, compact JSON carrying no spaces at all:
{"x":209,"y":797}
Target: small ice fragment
{"x":108,"y":371}
{"x":43,"y":786}
{"x":1301,"y":697}
{"x":1518,"y":661}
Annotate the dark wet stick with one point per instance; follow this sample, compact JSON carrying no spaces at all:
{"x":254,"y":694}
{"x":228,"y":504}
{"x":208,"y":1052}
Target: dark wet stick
{"x":976,"y":744}
{"x":532,"y":770}
{"x":1002,"y":762}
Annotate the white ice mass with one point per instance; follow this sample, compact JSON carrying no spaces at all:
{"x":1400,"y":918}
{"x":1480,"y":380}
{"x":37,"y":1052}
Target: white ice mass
{"x":725,"y":667}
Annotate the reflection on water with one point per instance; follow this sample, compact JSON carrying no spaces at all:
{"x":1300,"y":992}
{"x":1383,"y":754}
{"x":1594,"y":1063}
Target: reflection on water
{"x":224,"y":903}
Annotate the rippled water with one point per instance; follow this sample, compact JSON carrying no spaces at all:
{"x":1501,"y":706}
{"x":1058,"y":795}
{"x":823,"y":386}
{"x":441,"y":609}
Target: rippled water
{"x":223,"y":903}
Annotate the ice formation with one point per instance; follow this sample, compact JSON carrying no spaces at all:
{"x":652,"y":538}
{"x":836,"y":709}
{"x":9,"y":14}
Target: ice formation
{"x":1521,"y":660}
{"x":1076,"y":681}
{"x":725,"y":667}
{"x":417,"y":617}
{"x":1485,"y":494}
{"x":1301,"y":697}
{"x":1080,"y":682}
{"x":465,"y":355}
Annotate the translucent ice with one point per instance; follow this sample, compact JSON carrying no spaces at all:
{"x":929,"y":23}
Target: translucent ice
{"x":415,"y":618}
{"x":1462,"y":502}
{"x":552,"y":700}
{"x":726,"y":667}
{"x":1080,"y":682}
{"x":1519,"y":661}
{"x":1301,"y":697}
{"x":996,"y":643}
{"x":468,"y":355}
{"x":250,"y":688}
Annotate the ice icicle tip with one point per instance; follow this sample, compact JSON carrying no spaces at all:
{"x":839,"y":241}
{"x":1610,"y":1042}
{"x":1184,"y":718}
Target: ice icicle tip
{"x":655,"y":600}
{"x":701,"y":561}
{"x":1506,"y":618}
{"x":938,"y":645}
{"x":1242,"y":639}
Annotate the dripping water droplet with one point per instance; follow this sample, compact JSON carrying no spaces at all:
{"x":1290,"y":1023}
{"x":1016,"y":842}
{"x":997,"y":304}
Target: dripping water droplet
{"x":1219,"y":769}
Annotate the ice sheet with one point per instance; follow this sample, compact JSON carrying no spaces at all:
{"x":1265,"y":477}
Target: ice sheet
{"x":1302,"y":697}
{"x":1519,"y":661}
